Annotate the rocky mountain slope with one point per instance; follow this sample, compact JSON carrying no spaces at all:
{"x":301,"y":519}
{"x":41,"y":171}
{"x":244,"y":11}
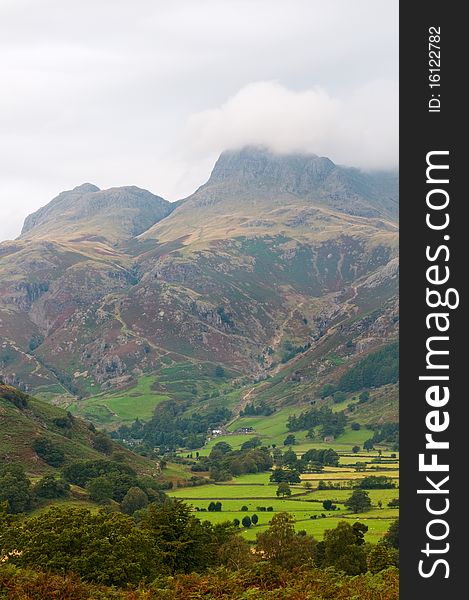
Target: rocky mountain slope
{"x":274,"y":259}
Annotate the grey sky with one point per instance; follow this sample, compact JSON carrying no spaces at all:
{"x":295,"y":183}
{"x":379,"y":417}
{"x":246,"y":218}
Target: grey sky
{"x":148,"y":92}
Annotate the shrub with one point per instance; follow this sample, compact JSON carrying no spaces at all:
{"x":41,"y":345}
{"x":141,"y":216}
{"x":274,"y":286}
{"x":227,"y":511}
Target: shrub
{"x":50,"y":453}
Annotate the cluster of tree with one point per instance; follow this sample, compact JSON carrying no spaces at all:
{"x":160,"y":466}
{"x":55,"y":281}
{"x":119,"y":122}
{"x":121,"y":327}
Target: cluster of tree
{"x":375,"y":482}
{"x":289,"y":466}
{"x":170,"y":428}
{"x":255,"y":410}
{"x":333,"y":485}
{"x":330,"y":423}
{"x":50,"y":453}
{"x":223,"y":462}
{"x":374,"y":370}
{"x":386,"y":433}
{"x":112,"y":548}
{"x":246,"y":521}
{"x":20,"y":495}
{"x":107,"y":481}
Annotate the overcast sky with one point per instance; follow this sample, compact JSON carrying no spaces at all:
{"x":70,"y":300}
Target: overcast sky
{"x":149,"y":92}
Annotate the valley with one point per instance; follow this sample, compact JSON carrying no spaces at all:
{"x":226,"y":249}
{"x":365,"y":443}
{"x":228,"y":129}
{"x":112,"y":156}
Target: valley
{"x":228,"y":362}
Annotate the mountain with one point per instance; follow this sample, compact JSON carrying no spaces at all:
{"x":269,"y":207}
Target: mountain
{"x":25,"y":421}
{"x":258,"y":173}
{"x":87,"y":213}
{"x":276,"y":259}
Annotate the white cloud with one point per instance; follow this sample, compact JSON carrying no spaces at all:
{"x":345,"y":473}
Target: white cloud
{"x":117,"y":92}
{"x":358,"y":130}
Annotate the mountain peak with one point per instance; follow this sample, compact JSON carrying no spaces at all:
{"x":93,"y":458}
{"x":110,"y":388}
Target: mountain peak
{"x":112,"y":215}
{"x":257,"y":174}
{"x":258,"y":163}
{"x":86,"y":188}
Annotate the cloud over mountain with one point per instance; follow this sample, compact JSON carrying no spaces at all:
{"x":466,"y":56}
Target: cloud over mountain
{"x":358,"y":130}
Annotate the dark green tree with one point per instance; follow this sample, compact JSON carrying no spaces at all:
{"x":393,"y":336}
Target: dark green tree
{"x":359,"y":501}
{"x":48,"y":451}
{"x":135,"y":499}
{"x":102,"y":443}
{"x":15,"y":489}
{"x":100,"y":489}
{"x":380,"y":557}
{"x":391,"y":537}
{"x":343,"y":550}
{"x":51,"y":487}
{"x":282,"y":546}
{"x":246,"y":522}
{"x":283,"y":490}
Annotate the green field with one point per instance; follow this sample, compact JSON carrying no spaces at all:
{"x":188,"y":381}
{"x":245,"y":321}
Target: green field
{"x":254,"y":491}
{"x":121,"y":407}
{"x":195,"y":383}
{"x":273,"y":430}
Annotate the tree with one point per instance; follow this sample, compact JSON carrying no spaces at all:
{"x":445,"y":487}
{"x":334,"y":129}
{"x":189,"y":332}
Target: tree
{"x":328,"y":505}
{"x":186,"y":544}
{"x":359,"y":501}
{"x":246,"y":522}
{"x":102,"y":443}
{"x":236,"y":522}
{"x":339,"y":397}
{"x":391,"y":537}
{"x":254,"y":442}
{"x":343,"y":549}
{"x":50,"y":487}
{"x":290,"y":459}
{"x":96,"y":546}
{"x":283,"y":489}
{"x":285,"y":475}
{"x":15,"y":488}
{"x":282,"y":546}
{"x":277,"y":455}
{"x":364,"y":397}
{"x":236,"y":553}
{"x":355,"y":426}
{"x":356,"y":449}
{"x":100,"y":489}
{"x":327,"y":390}
{"x":254,"y":519}
{"x":49,"y":452}
{"x":368,"y":445}
{"x":219,"y":371}
{"x":290,"y":440}
{"x":380,"y":557}
{"x":220,"y":448}
{"x":135,"y":499}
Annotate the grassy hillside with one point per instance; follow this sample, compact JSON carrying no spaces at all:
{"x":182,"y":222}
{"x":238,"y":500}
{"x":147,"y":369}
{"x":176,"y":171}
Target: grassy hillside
{"x":25,"y":421}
